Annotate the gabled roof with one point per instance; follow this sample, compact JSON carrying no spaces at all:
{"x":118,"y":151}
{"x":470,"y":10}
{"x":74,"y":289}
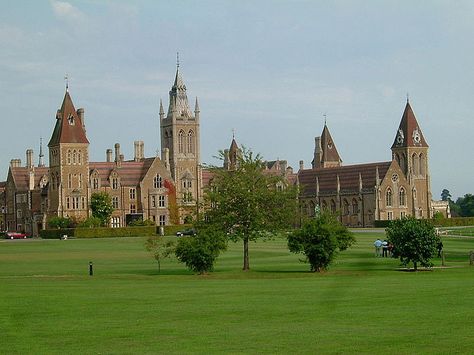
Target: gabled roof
{"x":21,"y":177}
{"x":329,"y":148}
{"x":69,"y":127}
{"x":408,"y":130}
{"x":131,"y":173}
{"x":348,"y":177}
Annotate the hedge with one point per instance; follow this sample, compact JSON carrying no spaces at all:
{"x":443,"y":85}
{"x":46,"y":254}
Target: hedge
{"x":443,"y":222}
{"x":141,"y":231}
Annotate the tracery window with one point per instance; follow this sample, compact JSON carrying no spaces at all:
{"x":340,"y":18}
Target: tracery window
{"x":181,"y":141}
{"x":388,"y":197}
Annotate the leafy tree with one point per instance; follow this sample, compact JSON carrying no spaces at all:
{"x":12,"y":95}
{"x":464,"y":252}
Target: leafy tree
{"x":466,"y":205}
{"x":90,"y":222}
{"x":200,"y":252}
{"x":445,"y":195}
{"x":320,"y":239}
{"x":101,"y":206}
{"x":438,"y":216}
{"x":414,"y":240}
{"x":59,"y":222}
{"x":159,"y":248}
{"x":245,"y":203}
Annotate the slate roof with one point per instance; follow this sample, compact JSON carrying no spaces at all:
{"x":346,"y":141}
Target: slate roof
{"x":64,"y":132}
{"x":348,"y":177}
{"x":130,"y":172}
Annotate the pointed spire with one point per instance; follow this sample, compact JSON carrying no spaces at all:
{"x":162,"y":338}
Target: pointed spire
{"x":178,"y":96}
{"x":329,"y":155}
{"x":196,"y":106}
{"x":41,"y":155}
{"x":66,"y":79}
{"x":162,"y":111}
{"x":409,"y":133}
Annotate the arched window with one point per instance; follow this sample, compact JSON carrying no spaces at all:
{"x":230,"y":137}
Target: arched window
{"x":181,"y":142}
{"x":402,"y":196}
{"x":333,"y":206}
{"x":346,"y":207}
{"x":422,"y":164}
{"x":74,"y":157}
{"x":157,"y":181}
{"x":355,"y":206}
{"x":190,"y":142}
{"x":79,"y":157}
{"x":69,"y":158}
{"x":388,"y":197}
{"x":414,"y":164}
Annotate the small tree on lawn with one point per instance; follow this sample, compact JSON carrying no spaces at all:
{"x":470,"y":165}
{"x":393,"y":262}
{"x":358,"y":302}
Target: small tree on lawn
{"x":320,"y":239}
{"x":159,"y":248}
{"x":101,"y":206}
{"x":246,"y":204}
{"x":200,"y":252}
{"x":414,"y":240}
{"x":59,"y":222}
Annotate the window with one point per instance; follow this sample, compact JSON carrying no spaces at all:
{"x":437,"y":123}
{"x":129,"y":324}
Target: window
{"x":161,"y":201}
{"x":355,"y":206}
{"x":75,"y":203}
{"x":162,"y":220}
{"x":153,"y":201}
{"x":388,"y":197}
{"x":69,"y":180}
{"x":190,"y":142}
{"x":157,"y":181}
{"x":80,"y":181}
{"x":389,"y":215}
{"x":79,"y":157}
{"x":414,"y":164}
{"x":115,"y":202}
{"x":402,"y":197}
{"x":70,"y":119}
{"x":74,"y":154}
{"x":95,"y":183}
{"x":133,"y":208}
{"x":115,"y":222}
{"x":69,"y":158}
{"x":132,"y":194}
{"x":83,"y":206}
{"x":180,"y":142}
{"x":68,"y":203}
{"x":403,"y":214}
{"x":333,"y":206}
{"x":187,"y":197}
{"x":115,"y":183}
{"x":187,"y":184}
{"x":346,"y":207}
{"x":422,"y":165}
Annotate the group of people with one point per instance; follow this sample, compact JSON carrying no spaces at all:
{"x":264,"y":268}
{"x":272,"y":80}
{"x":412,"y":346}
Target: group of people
{"x":383,"y":248}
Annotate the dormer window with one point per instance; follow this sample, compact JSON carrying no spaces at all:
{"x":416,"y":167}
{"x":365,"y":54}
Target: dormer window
{"x":70,"y":119}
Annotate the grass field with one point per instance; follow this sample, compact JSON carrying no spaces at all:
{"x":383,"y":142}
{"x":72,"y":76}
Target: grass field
{"x":362,"y":304}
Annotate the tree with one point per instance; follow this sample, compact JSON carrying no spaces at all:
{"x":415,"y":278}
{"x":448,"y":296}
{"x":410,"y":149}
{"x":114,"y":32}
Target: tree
{"x":320,"y":239}
{"x":59,"y":222}
{"x":414,"y":240}
{"x":200,"y":252}
{"x":159,"y":248}
{"x":245,"y":203}
{"x":445,"y":195}
{"x":90,"y":222}
{"x":101,"y":206}
{"x":466,"y":205}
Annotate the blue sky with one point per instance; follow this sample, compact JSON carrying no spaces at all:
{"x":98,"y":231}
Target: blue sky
{"x":268,"y":69}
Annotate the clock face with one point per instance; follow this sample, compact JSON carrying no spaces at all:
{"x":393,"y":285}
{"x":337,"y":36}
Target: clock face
{"x":395,"y":177}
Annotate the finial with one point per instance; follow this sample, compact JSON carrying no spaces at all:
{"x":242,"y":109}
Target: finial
{"x":325,"y":118}
{"x":233,"y":133}
{"x":66,"y":79}
{"x":408,"y":98}
{"x":177,"y":60}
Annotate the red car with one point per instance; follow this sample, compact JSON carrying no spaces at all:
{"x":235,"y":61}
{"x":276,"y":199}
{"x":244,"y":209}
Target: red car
{"x":15,"y":235}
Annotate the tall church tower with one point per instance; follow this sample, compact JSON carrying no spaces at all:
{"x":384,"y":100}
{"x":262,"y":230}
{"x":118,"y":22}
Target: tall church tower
{"x":180,"y":144}
{"x":325,"y":152}
{"x":69,"y":163}
{"x":410,"y":150}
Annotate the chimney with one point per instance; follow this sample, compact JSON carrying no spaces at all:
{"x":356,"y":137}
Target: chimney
{"x":15,"y":163}
{"x":29,"y":158}
{"x":136,"y":149}
{"x":80,"y":114}
{"x":122,"y":157}
{"x":108,"y":154}
{"x":301,"y":165}
{"x":142,"y":149}
{"x":317,"y":153}
{"x":117,"y":152}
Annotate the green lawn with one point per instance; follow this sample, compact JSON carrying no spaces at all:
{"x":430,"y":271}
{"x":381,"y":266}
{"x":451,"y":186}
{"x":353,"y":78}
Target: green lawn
{"x":362,"y":304}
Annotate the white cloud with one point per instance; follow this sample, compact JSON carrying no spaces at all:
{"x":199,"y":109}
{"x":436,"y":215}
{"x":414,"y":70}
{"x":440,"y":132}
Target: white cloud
{"x":67,"y":12}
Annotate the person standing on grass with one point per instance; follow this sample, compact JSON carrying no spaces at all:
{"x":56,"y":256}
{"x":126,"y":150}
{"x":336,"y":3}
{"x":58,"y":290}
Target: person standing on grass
{"x":378,"y":245}
{"x":384,"y":249}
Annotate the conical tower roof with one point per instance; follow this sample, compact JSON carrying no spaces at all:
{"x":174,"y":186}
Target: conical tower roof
{"x":409,"y":133}
{"x":69,"y":126}
{"x":178,"y":97}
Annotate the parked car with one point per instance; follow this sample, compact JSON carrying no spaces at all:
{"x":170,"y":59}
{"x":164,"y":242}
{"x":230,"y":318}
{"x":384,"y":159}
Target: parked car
{"x":15,"y":235}
{"x":190,"y":231}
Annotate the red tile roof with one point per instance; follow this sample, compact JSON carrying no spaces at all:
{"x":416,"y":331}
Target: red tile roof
{"x":21,"y":177}
{"x":408,"y":125}
{"x":130,"y":172}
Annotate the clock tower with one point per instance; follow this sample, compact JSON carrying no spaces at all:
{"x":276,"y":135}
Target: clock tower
{"x":410,"y":150}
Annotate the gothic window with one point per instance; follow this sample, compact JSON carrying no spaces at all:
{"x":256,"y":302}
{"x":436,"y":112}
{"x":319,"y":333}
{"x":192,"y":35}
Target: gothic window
{"x":190,"y":142}
{"x":402,"y":197}
{"x":115,"y":183}
{"x":181,"y":141}
{"x":333,"y":206}
{"x":157,"y":182}
{"x":69,"y":157}
{"x":95,"y":183}
{"x":74,"y":154}
{"x":422,"y":164}
{"x":115,"y":202}
{"x":346,"y":207}
{"x":80,"y":181}
{"x":79,"y":157}
{"x":414,"y":164}
{"x":388,"y":197}
{"x":355,"y":206}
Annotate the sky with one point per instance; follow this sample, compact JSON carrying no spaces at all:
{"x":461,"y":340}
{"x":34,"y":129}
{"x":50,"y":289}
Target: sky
{"x":271,"y":71}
